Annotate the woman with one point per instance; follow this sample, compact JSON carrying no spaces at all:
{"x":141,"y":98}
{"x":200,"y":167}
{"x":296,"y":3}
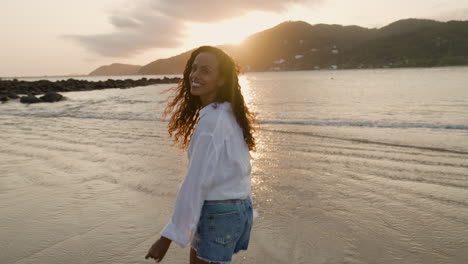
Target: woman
{"x":213,"y":209}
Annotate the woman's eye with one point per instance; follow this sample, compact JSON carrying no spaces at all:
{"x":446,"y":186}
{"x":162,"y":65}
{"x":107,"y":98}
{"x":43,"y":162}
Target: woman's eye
{"x":203,"y":70}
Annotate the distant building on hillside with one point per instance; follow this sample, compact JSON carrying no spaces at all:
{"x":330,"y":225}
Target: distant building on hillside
{"x":279,"y":61}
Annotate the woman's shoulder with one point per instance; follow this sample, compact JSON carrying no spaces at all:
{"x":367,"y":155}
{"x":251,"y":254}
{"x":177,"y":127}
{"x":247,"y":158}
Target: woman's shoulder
{"x":208,"y":123}
{"x":217,"y":120}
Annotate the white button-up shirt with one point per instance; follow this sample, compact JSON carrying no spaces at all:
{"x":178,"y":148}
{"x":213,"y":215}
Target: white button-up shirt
{"x":219,"y":168}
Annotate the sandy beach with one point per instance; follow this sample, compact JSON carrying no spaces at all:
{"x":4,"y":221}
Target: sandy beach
{"x":92,"y":180}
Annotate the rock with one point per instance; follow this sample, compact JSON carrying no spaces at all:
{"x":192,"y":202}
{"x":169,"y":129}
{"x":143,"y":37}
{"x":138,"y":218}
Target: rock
{"x":29,"y":99}
{"x":11,"y":88}
{"x":12,"y":96}
{"x":51,"y":97}
{"x":3,"y":98}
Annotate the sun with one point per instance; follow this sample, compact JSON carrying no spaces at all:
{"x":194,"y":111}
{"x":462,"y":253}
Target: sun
{"x":232,"y":31}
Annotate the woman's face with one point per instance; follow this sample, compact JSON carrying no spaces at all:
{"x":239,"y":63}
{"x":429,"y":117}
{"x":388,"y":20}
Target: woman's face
{"x":204,"y":79}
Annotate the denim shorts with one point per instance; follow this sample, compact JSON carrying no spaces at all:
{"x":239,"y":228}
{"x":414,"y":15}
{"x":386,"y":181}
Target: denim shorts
{"x":223,"y":229}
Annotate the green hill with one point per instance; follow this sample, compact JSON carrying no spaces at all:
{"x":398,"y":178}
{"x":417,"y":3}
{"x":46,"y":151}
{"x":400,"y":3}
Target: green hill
{"x":297,"y":45}
{"x":116,"y":69}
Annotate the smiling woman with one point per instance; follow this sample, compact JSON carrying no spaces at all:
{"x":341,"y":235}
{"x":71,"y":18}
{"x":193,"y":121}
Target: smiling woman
{"x":204,"y":77}
{"x":213,"y":209}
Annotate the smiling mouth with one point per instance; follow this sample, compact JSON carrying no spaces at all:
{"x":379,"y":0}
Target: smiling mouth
{"x":195,"y":84}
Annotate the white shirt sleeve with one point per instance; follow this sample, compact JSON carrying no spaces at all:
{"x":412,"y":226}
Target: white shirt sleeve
{"x":192,"y":192}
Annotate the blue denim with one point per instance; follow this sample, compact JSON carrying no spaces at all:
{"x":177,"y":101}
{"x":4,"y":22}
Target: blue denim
{"x":223,"y":230}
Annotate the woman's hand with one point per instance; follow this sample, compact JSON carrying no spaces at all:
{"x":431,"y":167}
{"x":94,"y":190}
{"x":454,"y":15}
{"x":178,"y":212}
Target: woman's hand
{"x":159,"y":249}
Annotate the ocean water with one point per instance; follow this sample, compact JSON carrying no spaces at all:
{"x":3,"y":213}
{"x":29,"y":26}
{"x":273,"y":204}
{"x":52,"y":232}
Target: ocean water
{"x":352,"y":166}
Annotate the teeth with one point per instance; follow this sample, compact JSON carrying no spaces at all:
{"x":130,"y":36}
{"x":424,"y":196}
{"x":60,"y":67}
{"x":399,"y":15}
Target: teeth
{"x":195,"y":84}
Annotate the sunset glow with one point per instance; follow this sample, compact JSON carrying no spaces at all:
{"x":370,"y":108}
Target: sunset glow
{"x":141,"y":31}
{"x":230,"y":31}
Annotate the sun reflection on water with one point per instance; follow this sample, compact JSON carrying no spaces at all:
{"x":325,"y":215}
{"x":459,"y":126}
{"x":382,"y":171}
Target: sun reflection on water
{"x":247,"y":91}
{"x":261,"y":189}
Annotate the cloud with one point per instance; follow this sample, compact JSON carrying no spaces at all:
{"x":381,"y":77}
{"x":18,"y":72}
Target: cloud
{"x":133,"y":36}
{"x":159,"y":24}
{"x":121,"y":22}
{"x":208,"y":11}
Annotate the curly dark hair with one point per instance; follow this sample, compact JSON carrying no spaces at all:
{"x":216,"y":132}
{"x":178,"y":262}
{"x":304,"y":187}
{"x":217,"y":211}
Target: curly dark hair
{"x":186,"y":114}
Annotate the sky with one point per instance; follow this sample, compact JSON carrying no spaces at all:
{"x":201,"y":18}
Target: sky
{"x":65,"y":37}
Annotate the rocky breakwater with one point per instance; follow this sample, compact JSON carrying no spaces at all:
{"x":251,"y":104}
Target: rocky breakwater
{"x":12,"y":89}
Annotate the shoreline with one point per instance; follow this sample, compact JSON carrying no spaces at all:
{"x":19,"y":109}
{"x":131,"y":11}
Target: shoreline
{"x":10,"y":89}
{"x":4,"y":78}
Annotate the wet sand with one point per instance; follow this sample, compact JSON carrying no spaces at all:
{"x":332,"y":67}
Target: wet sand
{"x":85,"y":190}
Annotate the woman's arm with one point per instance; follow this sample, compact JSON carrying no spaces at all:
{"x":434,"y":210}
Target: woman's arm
{"x":192,"y":192}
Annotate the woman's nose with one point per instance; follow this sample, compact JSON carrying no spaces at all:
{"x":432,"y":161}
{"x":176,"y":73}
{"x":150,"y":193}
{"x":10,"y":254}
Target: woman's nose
{"x":195,"y":75}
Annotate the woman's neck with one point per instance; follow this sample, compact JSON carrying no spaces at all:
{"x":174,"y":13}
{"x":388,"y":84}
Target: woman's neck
{"x":206,"y":100}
